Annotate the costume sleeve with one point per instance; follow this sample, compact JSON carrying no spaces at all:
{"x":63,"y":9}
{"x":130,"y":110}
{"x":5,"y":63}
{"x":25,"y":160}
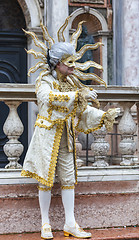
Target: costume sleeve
{"x":93,"y":119}
{"x":58,"y":105}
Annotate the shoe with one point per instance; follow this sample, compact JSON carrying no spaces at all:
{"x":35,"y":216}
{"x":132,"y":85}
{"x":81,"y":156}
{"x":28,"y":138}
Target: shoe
{"x":46,"y":232}
{"x":76,"y":231}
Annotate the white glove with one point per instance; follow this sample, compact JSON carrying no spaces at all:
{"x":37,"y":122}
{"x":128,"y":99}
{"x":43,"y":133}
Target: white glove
{"x":118,"y":110}
{"x":91,"y":95}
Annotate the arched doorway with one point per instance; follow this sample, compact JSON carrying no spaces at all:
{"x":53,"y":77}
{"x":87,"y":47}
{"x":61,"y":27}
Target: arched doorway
{"x":13,"y":63}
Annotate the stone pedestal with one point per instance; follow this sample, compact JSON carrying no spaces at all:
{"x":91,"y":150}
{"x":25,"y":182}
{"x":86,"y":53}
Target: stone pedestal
{"x":13,"y":128}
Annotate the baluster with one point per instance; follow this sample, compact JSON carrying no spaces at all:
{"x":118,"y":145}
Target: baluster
{"x":127,"y":127}
{"x":13,"y":128}
{"x":100,"y":146}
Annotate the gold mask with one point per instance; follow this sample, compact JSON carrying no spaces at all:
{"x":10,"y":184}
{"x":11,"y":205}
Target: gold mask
{"x":69,"y":61}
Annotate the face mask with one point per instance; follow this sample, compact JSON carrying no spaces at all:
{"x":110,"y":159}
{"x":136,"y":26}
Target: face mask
{"x":69,"y":61}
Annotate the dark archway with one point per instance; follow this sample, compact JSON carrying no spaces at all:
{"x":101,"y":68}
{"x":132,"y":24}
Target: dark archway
{"x":13,"y":64}
{"x":92,"y":26}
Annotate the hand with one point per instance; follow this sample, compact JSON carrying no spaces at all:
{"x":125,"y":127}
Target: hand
{"x":118,"y":110}
{"x":91,"y":95}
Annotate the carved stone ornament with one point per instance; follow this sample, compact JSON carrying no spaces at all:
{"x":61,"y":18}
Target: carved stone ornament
{"x":88,"y":1}
{"x":13,"y":128}
{"x":100,"y":148}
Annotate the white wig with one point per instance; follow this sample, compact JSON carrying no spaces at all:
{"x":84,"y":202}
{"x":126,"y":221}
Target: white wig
{"x":58,"y":50}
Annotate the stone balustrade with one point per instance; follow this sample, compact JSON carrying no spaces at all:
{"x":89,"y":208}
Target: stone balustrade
{"x":126,"y":97}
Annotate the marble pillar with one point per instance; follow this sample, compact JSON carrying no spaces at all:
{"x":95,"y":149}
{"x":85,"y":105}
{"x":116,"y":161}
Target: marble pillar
{"x":131,"y":43}
{"x":117,"y":43}
{"x":57,"y":12}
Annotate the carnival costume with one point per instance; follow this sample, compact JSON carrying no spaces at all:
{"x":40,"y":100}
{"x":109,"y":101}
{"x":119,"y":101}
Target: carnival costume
{"x":60,"y":99}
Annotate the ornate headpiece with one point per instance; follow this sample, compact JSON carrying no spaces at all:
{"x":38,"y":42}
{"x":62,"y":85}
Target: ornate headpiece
{"x":79,"y":67}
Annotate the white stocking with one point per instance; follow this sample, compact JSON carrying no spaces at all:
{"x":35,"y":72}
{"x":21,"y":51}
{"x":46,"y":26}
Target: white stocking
{"x":68,"y":203}
{"x":44,"y":201}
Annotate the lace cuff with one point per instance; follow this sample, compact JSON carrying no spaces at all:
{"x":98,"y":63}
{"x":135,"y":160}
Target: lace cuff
{"x":82,"y":102}
{"x":109,"y":119}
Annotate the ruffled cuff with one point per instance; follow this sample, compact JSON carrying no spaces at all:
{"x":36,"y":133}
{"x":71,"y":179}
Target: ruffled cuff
{"x":109,"y":118}
{"x":82,"y":102}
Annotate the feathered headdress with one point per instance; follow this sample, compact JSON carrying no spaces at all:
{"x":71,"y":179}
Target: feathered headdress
{"x":79,"y":67}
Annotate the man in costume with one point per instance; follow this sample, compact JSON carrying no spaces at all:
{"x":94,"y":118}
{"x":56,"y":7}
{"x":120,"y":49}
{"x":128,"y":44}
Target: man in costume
{"x":61,"y":97}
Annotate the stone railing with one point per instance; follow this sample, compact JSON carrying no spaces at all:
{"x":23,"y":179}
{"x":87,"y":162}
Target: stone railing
{"x":125,"y":97}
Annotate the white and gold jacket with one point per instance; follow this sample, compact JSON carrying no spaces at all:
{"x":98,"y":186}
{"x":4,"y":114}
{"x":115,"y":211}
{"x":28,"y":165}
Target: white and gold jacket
{"x":55,"y":110}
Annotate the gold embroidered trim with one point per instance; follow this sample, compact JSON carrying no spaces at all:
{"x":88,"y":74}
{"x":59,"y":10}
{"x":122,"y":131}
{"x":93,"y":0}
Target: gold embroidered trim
{"x":56,"y":86}
{"x":75,"y":157}
{"x":67,"y":187}
{"x":62,"y":110}
{"x":44,"y":126}
{"x":64,"y":84}
{"x":57,"y":121}
{"x":56,"y":108}
{"x":75,"y":104}
{"x":55,"y":97}
{"x":91,"y":129}
{"x":52,"y":98}
{"x":82,"y":103}
{"x":35,"y":176}
{"x":66,"y":87}
{"x":38,"y":84}
{"x":49,"y":181}
{"x":54,"y":154}
{"x":44,"y":189}
{"x":110,"y":118}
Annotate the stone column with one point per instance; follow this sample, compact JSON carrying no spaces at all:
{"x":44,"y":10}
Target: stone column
{"x":131,"y":43}
{"x":117,"y":42}
{"x":13,"y":128}
{"x":57,"y":12}
{"x":104,"y":58}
